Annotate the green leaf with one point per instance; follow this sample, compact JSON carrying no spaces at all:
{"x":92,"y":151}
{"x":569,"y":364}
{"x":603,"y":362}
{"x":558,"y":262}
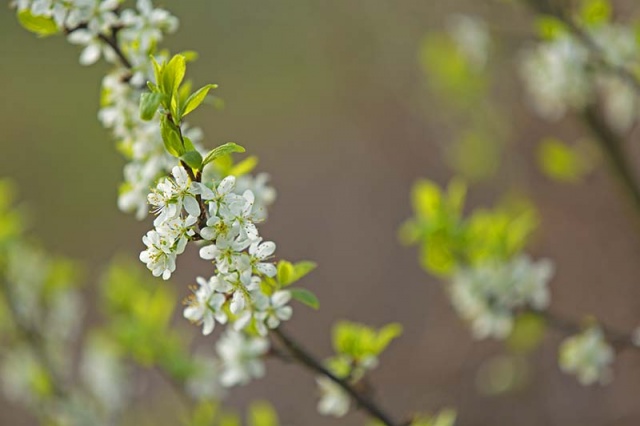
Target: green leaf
{"x":561,"y":162}
{"x":305,"y":296}
{"x":450,"y":73}
{"x":204,"y":414}
{"x":289,"y":273}
{"x":173,"y":74}
{"x":302,"y":268}
{"x":171,"y":137}
{"x":550,"y":28}
{"x":385,"y":336}
{"x":446,"y":417}
{"x":527,"y":333}
{"x":193,"y":159}
{"x":149,"y":103}
{"x":262,"y":414}
{"x":188,"y":145}
{"x":285,"y":272}
{"x":227,"y":148}
{"x":189,"y":55}
{"x":229,"y":419}
{"x":594,"y":12}
{"x":42,"y":25}
{"x":197,"y":98}
{"x":245,"y":166}
{"x":359,"y":341}
{"x":157,"y":72}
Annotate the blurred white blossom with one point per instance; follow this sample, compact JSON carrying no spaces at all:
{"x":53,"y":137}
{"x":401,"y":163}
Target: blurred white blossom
{"x":488,"y":295}
{"x":588,"y":356}
{"x":333,"y":400}
{"x":241,"y":358}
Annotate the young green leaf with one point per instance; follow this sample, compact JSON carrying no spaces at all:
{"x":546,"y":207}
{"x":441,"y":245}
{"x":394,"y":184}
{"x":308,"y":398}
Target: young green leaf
{"x":188,"y":145}
{"x":193,"y":159}
{"x":171,"y":137}
{"x":41,"y":25}
{"x":262,"y":414}
{"x":245,"y":166}
{"x":305,"y":296}
{"x":301,"y":269}
{"x":285,"y":272}
{"x":227,"y":148}
{"x":289,"y":273}
{"x":173,"y":74}
{"x":189,"y":55}
{"x":197,"y":98}
{"x":149,"y":103}
{"x":157,"y":72}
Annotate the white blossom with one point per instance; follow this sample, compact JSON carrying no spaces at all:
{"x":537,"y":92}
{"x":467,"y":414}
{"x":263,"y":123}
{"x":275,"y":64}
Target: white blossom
{"x":205,"y":307}
{"x":562,"y":74}
{"x":472,"y":38}
{"x":105,"y":374}
{"x":160,"y":256}
{"x":261,"y":251}
{"x":241,"y":358}
{"x":276,"y":311}
{"x":555,"y":76}
{"x":588,"y":356}
{"x":147,"y":24}
{"x":333,"y":400}
{"x":204,"y":384}
{"x":487,"y":295}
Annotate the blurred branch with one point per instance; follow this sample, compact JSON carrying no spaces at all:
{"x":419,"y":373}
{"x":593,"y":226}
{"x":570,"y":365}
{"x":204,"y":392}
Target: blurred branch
{"x":110,"y":39}
{"x":618,"y":339}
{"x":611,"y":143}
{"x":307,"y":360}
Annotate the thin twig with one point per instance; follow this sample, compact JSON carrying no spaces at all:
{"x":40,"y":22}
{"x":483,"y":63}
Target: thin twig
{"x":307,"y":360}
{"x":618,"y":339}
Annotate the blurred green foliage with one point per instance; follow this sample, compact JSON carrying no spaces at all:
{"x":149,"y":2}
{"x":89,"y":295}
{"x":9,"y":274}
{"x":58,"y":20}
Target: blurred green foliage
{"x":562,"y":162}
{"x":449,"y":239}
{"x":260,"y":413}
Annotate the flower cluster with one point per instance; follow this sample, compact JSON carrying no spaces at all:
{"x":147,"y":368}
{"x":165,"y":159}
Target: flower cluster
{"x":588,"y":356}
{"x":488,"y":295}
{"x":562,"y":73}
{"x":236,"y":291}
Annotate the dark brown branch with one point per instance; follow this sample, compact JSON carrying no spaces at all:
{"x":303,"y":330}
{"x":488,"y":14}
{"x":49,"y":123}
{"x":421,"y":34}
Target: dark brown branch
{"x":303,"y":357}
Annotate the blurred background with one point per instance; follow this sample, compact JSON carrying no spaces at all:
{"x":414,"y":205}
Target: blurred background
{"x":332,"y":97}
